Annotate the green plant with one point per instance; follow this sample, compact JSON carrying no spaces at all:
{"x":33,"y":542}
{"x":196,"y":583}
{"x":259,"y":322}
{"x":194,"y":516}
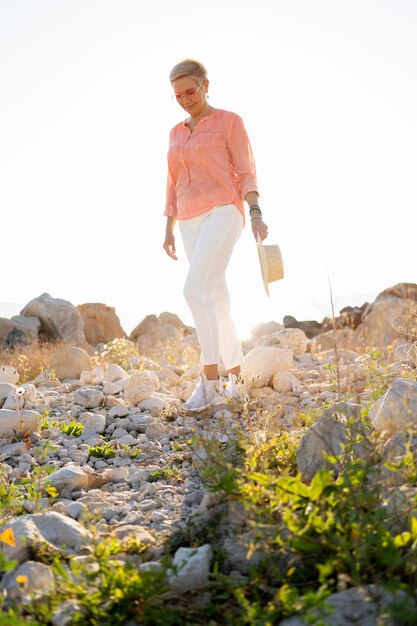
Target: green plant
{"x":120,"y":351}
{"x":167,"y":473}
{"x":105,"y":451}
{"x":74,"y":428}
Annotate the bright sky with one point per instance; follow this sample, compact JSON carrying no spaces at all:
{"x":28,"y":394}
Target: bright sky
{"x":327,"y":90}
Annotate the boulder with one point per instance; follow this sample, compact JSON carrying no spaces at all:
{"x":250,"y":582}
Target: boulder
{"x":326,"y":436}
{"x":16,"y":423}
{"x":380,"y":318}
{"x":345,"y":338}
{"x":151,"y":329}
{"x":60,"y":320}
{"x":358,"y":606}
{"x":18,"y":331}
{"x":293,"y":338}
{"x":407,"y":291}
{"x":396,"y":411}
{"x":265,"y":328}
{"x":69,"y":362}
{"x":310,"y":327}
{"x":39,"y":583}
{"x":101,"y":323}
{"x":191,"y":568}
{"x":261,"y":363}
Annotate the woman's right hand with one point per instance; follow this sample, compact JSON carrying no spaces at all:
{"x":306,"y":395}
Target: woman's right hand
{"x":169,"y":246}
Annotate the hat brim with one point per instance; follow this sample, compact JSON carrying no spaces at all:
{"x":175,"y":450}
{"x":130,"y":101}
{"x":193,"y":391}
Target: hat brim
{"x":278,"y":272}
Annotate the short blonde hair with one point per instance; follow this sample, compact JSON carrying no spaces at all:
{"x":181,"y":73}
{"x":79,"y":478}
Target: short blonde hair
{"x":188,"y":67}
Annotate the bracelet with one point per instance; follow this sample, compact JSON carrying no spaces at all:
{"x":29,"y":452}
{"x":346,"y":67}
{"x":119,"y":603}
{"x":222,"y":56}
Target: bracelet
{"x":254,"y":207}
{"x":256,"y":217}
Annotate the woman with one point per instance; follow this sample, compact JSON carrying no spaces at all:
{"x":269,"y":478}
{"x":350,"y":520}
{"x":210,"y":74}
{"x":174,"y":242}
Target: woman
{"x":211,"y":171}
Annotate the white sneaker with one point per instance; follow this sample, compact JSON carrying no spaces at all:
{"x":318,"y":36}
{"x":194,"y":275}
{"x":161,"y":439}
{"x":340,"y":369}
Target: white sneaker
{"x":235,"y":389}
{"x":205,"y":395}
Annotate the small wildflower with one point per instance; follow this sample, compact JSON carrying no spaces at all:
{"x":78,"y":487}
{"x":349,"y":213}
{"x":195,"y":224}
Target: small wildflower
{"x":7,"y":537}
{"x":21,"y":579}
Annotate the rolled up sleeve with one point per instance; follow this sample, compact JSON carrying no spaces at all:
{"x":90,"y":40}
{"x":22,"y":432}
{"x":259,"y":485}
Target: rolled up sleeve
{"x":242,"y":159}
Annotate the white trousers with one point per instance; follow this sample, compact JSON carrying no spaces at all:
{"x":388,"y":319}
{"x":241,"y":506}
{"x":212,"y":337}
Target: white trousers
{"x":208,"y":241}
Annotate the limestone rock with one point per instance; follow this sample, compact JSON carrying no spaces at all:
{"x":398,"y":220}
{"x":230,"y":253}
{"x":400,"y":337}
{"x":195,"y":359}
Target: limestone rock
{"x":114,"y":373}
{"x":191,"y":568}
{"x":60,"y":320}
{"x":12,"y":425}
{"x":358,"y":606}
{"x":5,"y":390}
{"x":29,"y":396}
{"x":67,"y":479}
{"x":396,"y":411}
{"x":407,"y":291}
{"x":93,"y":422}
{"x":69,"y":362}
{"x":377,"y":328}
{"x":39,"y":583}
{"x":265,"y":328}
{"x":283,"y":381}
{"x":140,"y":386}
{"x":326,"y":435}
{"x":293,"y":338}
{"x":92,"y":377}
{"x":345,"y":338}
{"x":261,"y":363}
{"x":18,"y":331}
{"x":310,"y":327}
{"x":101,"y":323}
{"x":89,"y":398}
{"x":8,"y":374}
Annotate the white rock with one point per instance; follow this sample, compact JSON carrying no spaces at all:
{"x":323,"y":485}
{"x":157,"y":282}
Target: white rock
{"x":282,"y":381}
{"x":265,"y":328}
{"x":191,"y":568}
{"x":113,"y":388}
{"x":93,"y":422}
{"x":26,"y":535}
{"x":379,"y":319}
{"x":153,"y":405}
{"x":5,"y":390}
{"x":11,"y":424}
{"x":60,"y":319}
{"x":140,"y":387}
{"x":396,"y":411}
{"x":115,"y":372}
{"x":89,"y":398}
{"x":92,"y":377}
{"x":69,"y":362}
{"x":362,"y":606}
{"x":261,"y":363}
{"x":39,"y":582}
{"x":293,"y":338}
{"x":68,"y":479}
{"x":28,"y":397}
{"x":8,"y":374}
{"x":128,"y":440}
{"x":120,"y":410}
{"x":326,"y":435}
{"x":157,"y":431}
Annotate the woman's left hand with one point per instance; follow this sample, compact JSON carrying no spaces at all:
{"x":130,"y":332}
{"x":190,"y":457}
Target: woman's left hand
{"x":259,"y":226}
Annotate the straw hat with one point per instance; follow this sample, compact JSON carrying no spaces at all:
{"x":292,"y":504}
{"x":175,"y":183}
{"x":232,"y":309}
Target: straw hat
{"x":272,"y":266}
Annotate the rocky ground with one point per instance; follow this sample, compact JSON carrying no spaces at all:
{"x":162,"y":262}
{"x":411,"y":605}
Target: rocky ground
{"x":109,"y":451}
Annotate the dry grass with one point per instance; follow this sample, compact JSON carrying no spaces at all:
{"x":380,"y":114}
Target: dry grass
{"x":29,"y":361}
